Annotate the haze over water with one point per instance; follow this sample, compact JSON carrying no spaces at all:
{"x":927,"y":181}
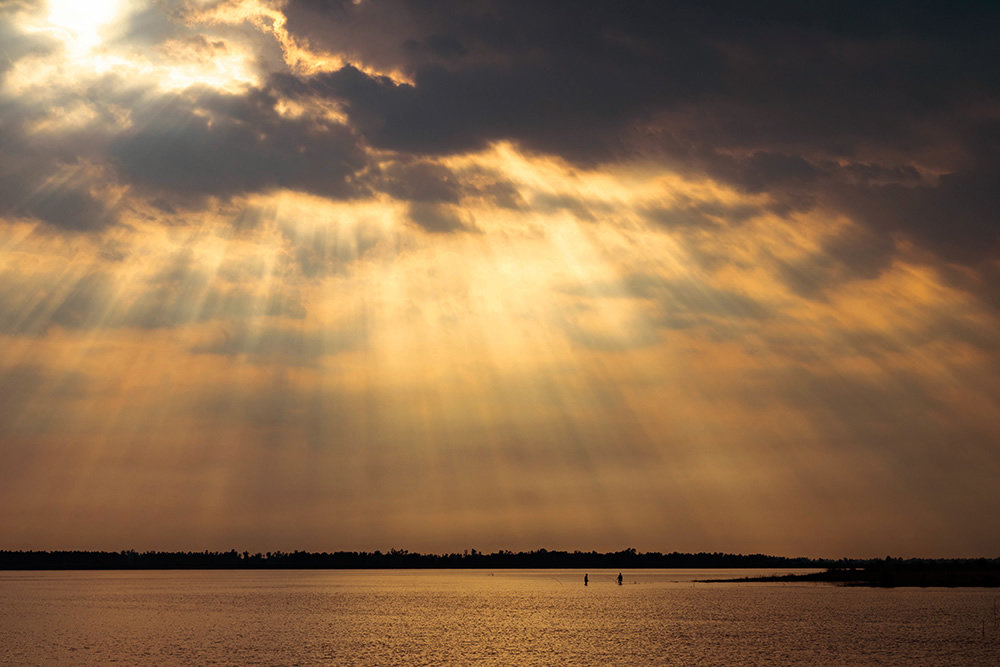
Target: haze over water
{"x":502,"y":617}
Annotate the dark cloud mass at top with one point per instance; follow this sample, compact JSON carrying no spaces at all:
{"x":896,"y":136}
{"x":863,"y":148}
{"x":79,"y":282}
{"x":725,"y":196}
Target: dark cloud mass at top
{"x":888,"y":112}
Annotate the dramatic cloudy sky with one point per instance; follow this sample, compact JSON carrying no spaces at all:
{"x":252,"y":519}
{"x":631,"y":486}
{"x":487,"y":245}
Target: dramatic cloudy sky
{"x":500,"y":274}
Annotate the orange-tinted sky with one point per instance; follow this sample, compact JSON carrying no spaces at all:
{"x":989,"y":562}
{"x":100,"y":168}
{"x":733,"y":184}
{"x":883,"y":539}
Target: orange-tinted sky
{"x":368,"y":274}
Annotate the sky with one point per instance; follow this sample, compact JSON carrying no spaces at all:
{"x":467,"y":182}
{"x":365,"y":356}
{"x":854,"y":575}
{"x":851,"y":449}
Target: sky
{"x":500,"y":274}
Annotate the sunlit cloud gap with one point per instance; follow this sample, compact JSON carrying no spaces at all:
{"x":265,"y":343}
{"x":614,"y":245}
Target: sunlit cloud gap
{"x":91,"y":33}
{"x":297,"y":55}
{"x":78,"y":24}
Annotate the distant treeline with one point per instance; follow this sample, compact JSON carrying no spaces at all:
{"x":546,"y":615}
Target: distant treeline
{"x":394,"y":559}
{"x":896,"y":572}
{"x":875,"y":572}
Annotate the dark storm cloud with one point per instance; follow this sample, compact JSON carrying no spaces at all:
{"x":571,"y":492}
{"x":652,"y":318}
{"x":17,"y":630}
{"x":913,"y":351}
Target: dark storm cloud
{"x":770,"y":73}
{"x":854,"y":106}
{"x":765,"y":171}
{"x":427,"y":182}
{"x":956,"y":217}
{"x":69,"y":205}
{"x":202,"y":142}
{"x":47,"y":178}
{"x":552,"y":105}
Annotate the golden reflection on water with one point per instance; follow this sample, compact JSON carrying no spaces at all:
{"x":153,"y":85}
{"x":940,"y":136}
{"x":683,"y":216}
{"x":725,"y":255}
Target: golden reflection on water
{"x":500,"y":617}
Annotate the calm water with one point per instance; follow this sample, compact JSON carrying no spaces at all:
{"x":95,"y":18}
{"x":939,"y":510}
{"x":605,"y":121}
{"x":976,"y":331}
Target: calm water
{"x":501,"y":617}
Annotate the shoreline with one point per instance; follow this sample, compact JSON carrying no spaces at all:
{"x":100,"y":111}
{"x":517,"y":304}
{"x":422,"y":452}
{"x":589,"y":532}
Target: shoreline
{"x":902,"y":576}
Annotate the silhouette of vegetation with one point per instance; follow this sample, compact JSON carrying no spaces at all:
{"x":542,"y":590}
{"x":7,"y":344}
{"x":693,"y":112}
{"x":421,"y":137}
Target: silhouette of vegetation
{"x":896,"y":572}
{"x":393,"y":559}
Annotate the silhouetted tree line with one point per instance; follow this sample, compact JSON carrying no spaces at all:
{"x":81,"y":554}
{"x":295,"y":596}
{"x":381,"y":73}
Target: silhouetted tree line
{"x":892,"y":572}
{"x":895,"y":572}
{"x":872,"y":572}
{"x":393,"y":559}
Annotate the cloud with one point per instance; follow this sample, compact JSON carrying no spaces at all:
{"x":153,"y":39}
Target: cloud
{"x":439,"y":218}
{"x":17,"y":43}
{"x":956,"y":218}
{"x":855,"y":253}
{"x":428,"y":182}
{"x":763,"y":171}
{"x":854,"y":110}
{"x":760,"y":71}
{"x":76,"y":138}
{"x":687,"y":212}
{"x":70,"y":205}
{"x":515,"y":70}
{"x":421,"y":182}
{"x":206,"y":143}
{"x":582,"y":208}
{"x":888,"y":123}
{"x":52,"y":176}
{"x":149,"y":24}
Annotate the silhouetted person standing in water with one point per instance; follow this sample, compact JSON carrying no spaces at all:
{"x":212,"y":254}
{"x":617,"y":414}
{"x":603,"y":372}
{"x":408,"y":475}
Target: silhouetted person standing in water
{"x":585,"y":580}
{"x":619,"y":578}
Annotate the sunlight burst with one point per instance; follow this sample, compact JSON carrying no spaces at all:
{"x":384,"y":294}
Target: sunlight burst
{"x":78,"y":24}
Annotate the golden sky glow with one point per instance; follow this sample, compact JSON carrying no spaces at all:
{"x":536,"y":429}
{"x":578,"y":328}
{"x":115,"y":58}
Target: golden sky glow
{"x":255,"y":296}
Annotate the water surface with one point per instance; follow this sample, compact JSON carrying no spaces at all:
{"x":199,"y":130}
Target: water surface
{"x":500,"y":617}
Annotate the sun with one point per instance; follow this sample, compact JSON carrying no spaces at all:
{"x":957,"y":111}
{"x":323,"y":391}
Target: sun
{"x":78,"y":23}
